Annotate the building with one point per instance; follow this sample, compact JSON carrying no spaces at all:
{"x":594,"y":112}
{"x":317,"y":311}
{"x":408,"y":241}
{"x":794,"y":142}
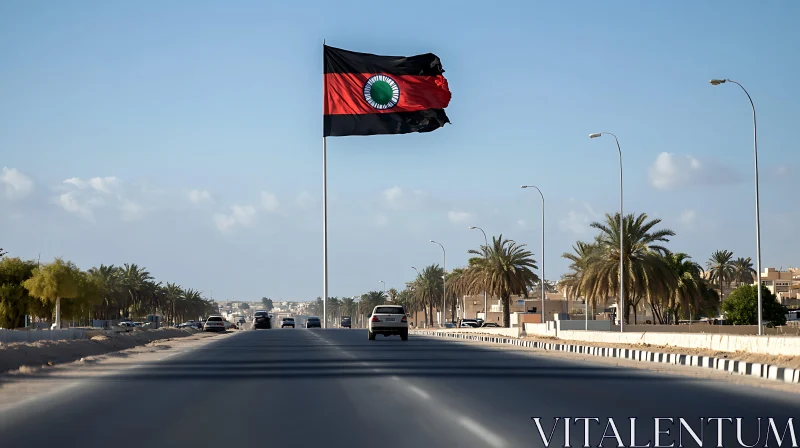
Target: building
{"x":784,"y":284}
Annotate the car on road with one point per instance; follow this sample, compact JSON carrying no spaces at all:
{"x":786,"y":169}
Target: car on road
{"x":346,"y":322}
{"x":313,"y":322}
{"x":214,"y":323}
{"x":388,"y":320}
{"x":261,"y":321}
{"x":490,"y":324}
{"x":470,"y":323}
{"x":287,"y":322}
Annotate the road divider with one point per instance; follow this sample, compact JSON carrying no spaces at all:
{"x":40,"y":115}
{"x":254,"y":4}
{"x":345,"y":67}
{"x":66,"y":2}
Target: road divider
{"x":734,"y":367}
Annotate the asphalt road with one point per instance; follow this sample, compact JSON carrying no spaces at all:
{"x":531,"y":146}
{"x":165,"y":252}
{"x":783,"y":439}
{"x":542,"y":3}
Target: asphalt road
{"x":335,"y":388}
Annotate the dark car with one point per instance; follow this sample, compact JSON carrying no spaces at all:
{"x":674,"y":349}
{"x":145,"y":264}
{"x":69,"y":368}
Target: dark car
{"x":287,"y":322}
{"x":346,"y":322}
{"x":313,"y":322}
{"x":261,"y":321}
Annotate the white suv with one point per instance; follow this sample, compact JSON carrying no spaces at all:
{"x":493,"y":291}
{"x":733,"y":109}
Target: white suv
{"x":388,"y":320}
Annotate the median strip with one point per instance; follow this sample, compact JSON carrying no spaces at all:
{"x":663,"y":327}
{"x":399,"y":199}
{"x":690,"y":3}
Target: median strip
{"x":754,"y":369}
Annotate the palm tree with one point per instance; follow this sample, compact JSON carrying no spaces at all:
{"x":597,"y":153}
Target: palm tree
{"x":457,"y":288}
{"x":580,"y":262}
{"x":370,"y":300}
{"x":687,"y":291}
{"x":720,"y":269}
{"x":646,"y":273}
{"x":743,"y":272}
{"x":348,"y":306}
{"x":503,"y":268}
{"x":428,"y":289}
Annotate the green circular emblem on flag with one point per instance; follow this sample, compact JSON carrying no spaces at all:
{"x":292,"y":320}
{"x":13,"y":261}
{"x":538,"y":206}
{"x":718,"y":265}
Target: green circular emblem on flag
{"x":381,"y":92}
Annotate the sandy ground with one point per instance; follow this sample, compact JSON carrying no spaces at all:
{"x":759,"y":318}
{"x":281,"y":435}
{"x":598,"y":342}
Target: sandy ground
{"x":30,"y":384}
{"x":30,"y":356}
{"x":783,"y":361}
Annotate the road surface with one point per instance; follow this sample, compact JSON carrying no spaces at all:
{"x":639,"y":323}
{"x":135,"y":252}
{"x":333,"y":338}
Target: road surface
{"x":298,"y":387}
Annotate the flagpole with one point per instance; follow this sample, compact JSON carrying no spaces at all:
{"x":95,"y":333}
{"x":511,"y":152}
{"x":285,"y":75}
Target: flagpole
{"x":324,"y":207}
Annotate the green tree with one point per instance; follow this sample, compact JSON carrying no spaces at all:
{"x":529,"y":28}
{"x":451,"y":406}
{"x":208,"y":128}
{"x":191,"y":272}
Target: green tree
{"x":392,"y":294}
{"x":504,"y":268}
{"x":245,"y":306}
{"x":741,"y":307}
{"x":720,"y":269}
{"x":267,"y":302}
{"x":428,"y":290}
{"x":743,"y":272}
{"x":348,"y":306}
{"x":53,"y":282}
{"x":14,"y":298}
{"x":686,"y":291}
{"x":646,"y":273}
{"x":573,"y":281}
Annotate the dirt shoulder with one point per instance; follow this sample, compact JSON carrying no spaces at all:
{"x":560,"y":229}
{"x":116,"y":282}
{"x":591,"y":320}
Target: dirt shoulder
{"x":31,"y":384}
{"x":29,"y":356}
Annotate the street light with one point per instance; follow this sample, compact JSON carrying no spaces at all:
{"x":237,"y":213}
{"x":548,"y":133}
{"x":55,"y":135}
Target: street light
{"x":621,"y":236}
{"x":485,"y":298}
{"x":444,"y":282}
{"x":716,"y":82}
{"x":384,"y":291}
{"x":541,"y":279}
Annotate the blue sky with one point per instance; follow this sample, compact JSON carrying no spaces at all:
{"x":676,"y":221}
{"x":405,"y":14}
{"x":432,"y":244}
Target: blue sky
{"x":186,"y":137}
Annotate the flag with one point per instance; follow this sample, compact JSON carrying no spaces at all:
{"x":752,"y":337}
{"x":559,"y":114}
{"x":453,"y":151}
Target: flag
{"x":367,"y":94}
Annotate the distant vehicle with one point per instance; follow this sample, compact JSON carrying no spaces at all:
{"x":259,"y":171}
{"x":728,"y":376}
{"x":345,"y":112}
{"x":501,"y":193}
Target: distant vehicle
{"x":287,"y":322}
{"x":449,"y":325}
{"x":388,"y":320}
{"x":261,"y":321}
{"x":313,"y":322}
{"x":470,"y":323}
{"x":214,"y":323}
{"x":490,"y":324}
{"x":346,"y":322}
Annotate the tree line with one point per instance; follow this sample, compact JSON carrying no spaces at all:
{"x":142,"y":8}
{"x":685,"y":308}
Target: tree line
{"x":669,"y":284}
{"x":107,"y":292}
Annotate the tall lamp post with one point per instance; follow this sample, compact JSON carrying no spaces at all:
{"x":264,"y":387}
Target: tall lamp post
{"x":542,"y":280}
{"x":716,"y":82}
{"x":444,"y":283}
{"x":621,"y":236}
{"x":384,"y":291}
{"x":485,"y":298}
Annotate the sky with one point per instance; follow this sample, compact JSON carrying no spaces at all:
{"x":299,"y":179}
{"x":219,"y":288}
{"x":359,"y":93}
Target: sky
{"x":185,"y":136}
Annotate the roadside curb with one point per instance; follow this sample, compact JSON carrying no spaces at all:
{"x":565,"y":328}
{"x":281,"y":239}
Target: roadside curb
{"x":754,"y":369}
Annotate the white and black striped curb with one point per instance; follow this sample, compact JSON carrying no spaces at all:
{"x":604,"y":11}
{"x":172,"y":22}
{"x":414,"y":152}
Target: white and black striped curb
{"x":755,"y":369}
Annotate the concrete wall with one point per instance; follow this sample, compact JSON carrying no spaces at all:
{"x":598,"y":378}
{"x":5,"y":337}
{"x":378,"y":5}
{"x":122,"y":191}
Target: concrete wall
{"x":709,"y":329}
{"x":553,"y":328}
{"x":8,"y":336}
{"x":508,"y":332}
{"x":768,"y":345}
{"x":545,"y":329}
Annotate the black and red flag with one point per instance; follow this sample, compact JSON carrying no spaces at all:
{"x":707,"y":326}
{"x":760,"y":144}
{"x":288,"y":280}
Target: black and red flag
{"x":367,"y":94}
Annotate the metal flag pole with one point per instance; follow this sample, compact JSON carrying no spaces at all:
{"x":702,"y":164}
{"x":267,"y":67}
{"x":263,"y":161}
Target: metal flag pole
{"x":324,"y":206}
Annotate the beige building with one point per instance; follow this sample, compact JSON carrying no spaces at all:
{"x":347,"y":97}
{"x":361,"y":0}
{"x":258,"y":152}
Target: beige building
{"x":784,"y":284}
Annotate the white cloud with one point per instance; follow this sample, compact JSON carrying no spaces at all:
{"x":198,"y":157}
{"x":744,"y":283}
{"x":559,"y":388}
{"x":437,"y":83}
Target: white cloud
{"x":672,"y":170}
{"x":269,"y":201}
{"x":131,"y":210}
{"x":199,"y":196}
{"x":687,"y":216}
{"x":305,"y":200}
{"x":578,"y":222}
{"x":243,"y":215}
{"x":381,"y":220}
{"x":457,"y":217}
{"x":17,"y":185}
{"x":70,"y":203}
{"x":101,"y":184}
{"x":393,"y":193}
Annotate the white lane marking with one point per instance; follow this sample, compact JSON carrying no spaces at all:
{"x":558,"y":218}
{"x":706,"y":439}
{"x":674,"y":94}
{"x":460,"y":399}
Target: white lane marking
{"x":482,"y":432}
{"x":395,"y":377}
{"x":422,"y":394}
